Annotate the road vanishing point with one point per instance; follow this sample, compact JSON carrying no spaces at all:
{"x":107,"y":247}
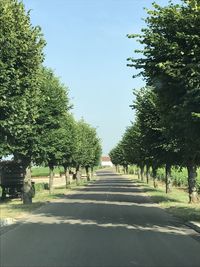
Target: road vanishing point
{"x":111,"y":222}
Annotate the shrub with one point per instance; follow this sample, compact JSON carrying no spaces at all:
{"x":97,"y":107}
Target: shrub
{"x":132,"y":169}
{"x":40,"y":187}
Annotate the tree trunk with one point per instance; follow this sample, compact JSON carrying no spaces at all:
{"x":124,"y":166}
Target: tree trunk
{"x":155,"y":181}
{"x":118,"y":169}
{"x":51,"y":175}
{"x":67,"y":182}
{"x":142,"y":172}
{"x":27,"y":187}
{"x":192,"y":174}
{"x":78,"y":175}
{"x":70,"y":176}
{"x":168,"y":181}
{"x":147,"y":173}
{"x":3,"y":196}
{"x":138,"y":173}
{"x":126,"y":169}
{"x":92,"y":172}
{"x":87,"y":173}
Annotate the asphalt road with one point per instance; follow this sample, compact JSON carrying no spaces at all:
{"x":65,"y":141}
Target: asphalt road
{"x":109,"y":223}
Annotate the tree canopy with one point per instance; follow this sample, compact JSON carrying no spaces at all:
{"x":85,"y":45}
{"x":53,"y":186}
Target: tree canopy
{"x":167,"y":109}
{"x":21,"y":55}
{"x":36,"y":125}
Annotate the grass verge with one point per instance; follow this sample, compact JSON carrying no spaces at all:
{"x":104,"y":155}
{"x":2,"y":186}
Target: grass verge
{"x":44,"y":171}
{"x":175,"y":202}
{"x":15,"y":209}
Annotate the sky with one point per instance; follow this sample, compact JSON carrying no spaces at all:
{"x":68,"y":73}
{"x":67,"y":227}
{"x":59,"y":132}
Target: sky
{"x":87,"y":48}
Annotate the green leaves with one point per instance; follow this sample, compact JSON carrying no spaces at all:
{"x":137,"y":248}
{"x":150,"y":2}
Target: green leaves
{"x":118,"y":156}
{"x":20,"y":58}
{"x":168,"y":123}
{"x":88,"y":148}
{"x":52,"y":120}
{"x":171,"y":66}
{"x":35,"y":123}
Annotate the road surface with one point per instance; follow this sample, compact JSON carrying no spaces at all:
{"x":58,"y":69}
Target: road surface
{"x":109,"y":223}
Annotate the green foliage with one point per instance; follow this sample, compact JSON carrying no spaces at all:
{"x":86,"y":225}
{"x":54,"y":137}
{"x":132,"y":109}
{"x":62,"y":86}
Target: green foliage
{"x":148,"y":124}
{"x":69,"y":141}
{"x":53,"y":119}
{"x":88,"y":148}
{"x":54,"y":101}
{"x":35,"y":123}
{"x":179,"y":176}
{"x":44,"y":171}
{"x":132,"y":145}
{"x":118,"y":155}
{"x":20,"y":58}
{"x":39,"y":187}
{"x":132,"y":169}
{"x":170,"y":63}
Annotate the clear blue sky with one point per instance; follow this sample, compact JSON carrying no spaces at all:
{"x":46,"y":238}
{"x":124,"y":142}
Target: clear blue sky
{"x":87,"y":47}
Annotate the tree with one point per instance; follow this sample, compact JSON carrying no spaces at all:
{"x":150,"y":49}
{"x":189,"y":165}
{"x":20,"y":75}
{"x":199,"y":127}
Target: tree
{"x":170,"y":62}
{"x":20,"y":58}
{"x":96,"y":154}
{"x":118,"y":157}
{"x":88,"y":149}
{"x":94,"y":151}
{"x":52,"y":122}
{"x":153,"y":138}
{"x":68,"y":148}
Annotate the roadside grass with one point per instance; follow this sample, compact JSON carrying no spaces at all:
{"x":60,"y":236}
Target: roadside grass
{"x":37,"y":171}
{"x":44,"y":171}
{"x":15,"y":209}
{"x":175,"y":202}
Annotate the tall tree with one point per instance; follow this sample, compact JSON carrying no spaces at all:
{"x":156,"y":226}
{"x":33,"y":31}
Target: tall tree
{"x":51,"y":122}
{"x":170,"y":62}
{"x":152,"y":137}
{"x":133,"y":149}
{"x":68,"y":148}
{"x":20,"y":58}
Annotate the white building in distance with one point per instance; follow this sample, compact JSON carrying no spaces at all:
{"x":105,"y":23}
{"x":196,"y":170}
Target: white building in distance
{"x":106,"y":161}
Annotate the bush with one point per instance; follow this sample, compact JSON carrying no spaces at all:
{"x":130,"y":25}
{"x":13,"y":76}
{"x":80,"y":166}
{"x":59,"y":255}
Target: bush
{"x":41,"y":186}
{"x":198,"y":186}
{"x":161,"y":174}
{"x":179,"y":176}
{"x":132,"y":169}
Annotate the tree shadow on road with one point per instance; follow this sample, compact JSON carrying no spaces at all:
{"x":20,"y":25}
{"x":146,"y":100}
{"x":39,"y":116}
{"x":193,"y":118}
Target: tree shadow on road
{"x":100,"y":224}
{"x":79,"y":240}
